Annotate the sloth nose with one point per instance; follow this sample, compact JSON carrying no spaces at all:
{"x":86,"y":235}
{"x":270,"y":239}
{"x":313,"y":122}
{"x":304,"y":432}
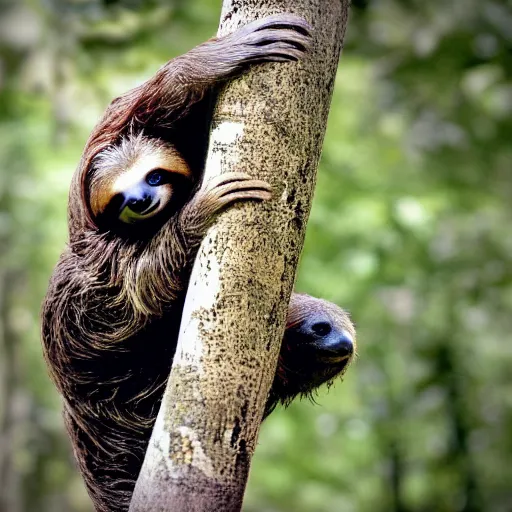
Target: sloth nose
{"x":334,"y":343}
{"x":139,"y":204}
{"x":341,"y":345}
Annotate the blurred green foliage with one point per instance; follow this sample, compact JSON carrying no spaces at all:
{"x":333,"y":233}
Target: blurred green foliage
{"x":410,"y":231}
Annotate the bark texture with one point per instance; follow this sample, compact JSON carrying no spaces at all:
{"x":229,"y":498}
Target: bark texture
{"x":270,"y":124}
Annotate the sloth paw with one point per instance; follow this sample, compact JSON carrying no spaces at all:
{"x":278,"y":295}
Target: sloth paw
{"x":217,"y":194}
{"x":231,"y":187}
{"x":278,"y":38}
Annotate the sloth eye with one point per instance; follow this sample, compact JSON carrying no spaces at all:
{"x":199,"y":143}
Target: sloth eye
{"x":156,"y":178}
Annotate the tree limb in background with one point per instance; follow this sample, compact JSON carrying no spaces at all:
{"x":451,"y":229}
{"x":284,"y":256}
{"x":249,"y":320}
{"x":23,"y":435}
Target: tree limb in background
{"x":271,"y":124}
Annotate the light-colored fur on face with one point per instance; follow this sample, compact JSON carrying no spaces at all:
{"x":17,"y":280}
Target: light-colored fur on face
{"x":121,"y":166}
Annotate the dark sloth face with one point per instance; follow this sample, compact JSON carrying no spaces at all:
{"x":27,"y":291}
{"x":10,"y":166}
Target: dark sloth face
{"x":319,"y":344}
{"x":135,"y":180}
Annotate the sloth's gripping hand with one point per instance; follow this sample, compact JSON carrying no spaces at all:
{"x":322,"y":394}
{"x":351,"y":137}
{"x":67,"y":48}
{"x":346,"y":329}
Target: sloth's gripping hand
{"x":214,"y":196}
{"x":278,"y":38}
{"x":185,"y":80}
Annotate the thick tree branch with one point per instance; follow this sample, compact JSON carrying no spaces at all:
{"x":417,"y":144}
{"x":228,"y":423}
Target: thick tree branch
{"x":270,"y":124}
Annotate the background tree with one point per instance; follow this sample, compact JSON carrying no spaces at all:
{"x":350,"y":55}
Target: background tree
{"x":418,"y":248}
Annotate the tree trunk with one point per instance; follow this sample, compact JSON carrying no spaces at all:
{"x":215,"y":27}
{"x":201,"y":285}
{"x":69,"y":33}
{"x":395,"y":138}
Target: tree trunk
{"x":271,"y":124}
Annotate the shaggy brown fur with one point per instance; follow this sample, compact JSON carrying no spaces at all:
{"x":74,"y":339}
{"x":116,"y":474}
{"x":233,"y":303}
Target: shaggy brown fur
{"x":113,"y":308}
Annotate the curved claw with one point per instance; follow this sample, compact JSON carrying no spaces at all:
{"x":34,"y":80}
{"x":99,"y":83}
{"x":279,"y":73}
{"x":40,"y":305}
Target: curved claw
{"x":224,"y":190}
{"x":280,"y":21}
{"x":256,"y":186}
{"x":235,"y":183}
{"x":285,"y":36}
{"x":281,"y":37}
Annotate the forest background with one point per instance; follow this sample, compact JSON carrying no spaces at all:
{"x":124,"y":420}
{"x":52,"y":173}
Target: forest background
{"x":410,"y":230}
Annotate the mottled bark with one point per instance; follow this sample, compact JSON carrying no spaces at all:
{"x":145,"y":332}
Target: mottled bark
{"x":271,"y":124}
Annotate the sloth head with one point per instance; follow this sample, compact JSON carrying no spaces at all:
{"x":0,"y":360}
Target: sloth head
{"x":136,"y":179}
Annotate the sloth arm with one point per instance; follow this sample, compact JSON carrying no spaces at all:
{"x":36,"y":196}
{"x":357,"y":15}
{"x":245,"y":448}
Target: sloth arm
{"x":184,"y":81}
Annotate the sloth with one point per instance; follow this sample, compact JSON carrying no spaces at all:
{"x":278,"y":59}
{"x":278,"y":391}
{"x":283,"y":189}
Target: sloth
{"x":138,"y":210}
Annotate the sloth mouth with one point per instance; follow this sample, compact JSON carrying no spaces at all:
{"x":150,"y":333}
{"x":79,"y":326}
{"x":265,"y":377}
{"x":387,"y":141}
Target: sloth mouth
{"x":329,"y":358}
{"x":151,"y":209}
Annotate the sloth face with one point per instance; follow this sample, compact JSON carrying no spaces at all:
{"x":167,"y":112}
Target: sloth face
{"x":136,"y":179}
{"x":319,"y":344}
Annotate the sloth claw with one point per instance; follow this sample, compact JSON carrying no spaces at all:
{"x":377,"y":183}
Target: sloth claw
{"x":229,"y":188}
{"x":278,"y":38}
{"x":278,"y":21}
